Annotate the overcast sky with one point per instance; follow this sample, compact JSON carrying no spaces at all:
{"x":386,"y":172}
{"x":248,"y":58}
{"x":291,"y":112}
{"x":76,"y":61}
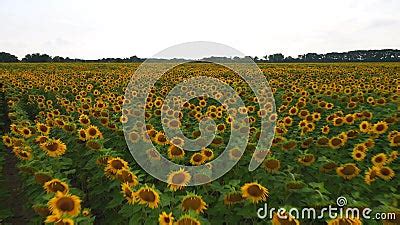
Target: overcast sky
{"x":96,"y":29}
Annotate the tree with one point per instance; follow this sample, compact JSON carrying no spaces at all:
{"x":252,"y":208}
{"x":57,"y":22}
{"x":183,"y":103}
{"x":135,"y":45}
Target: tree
{"x":37,"y":57}
{"x":276,"y":57}
{"x":58,"y":59}
{"x":7,"y":57}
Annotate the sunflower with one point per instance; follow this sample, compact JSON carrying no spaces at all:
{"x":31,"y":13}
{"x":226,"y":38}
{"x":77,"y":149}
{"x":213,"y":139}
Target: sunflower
{"x":358,"y":155}
{"x":345,"y":221}
{"x":62,"y":204}
{"x":272,"y":165}
{"x":307,"y":142}
{"x":287,"y":121}
{"x":197,"y":159}
{"x":86,"y":212}
{"x":233,"y":198}
{"x":55,"y":185}
{"x":82,"y":134}
{"x":379,"y":159}
{"x":112,"y":126}
{"x":165,"y":219}
{"x":126,"y":176}
{"x":114,"y":165}
{"x":160,"y":138}
{"x":395,"y":220}
{"x":349,"y":119}
{"x":93,"y":132}
{"x":102,"y":160}
{"x":370,"y":143}
{"x":348,"y":171}
{"x":43,"y":128}
{"x":175,"y":152}
{"x":84,"y":120}
{"x":127,"y":192}
{"x":365,"y":126}
{"x":26,"y":132}
{"x":177,"y":180}
{"x":53,"y":147}
{"x":370,"y":175}
{"x":254,"y":192}
{"x":343,"y":136}
{"x":327,"y":167}
{"x":177,"y":141}
{"x":338,"y":121}
{"x":69,"y":127}
{"x":385,"y":173}
{"x":306,"y":160}
{"x":7,"y":141}
{"x":293,"y":111}
{"x":193,"y":202}
{"x":153,"y":154}
{"x":351,"y":134}
{"x":42,"y":177}
{"x":207,"y":153}
{"x":259,"y":155}
{"x":323,"y":141}
{"x":336,"y":142}
{"x":395,"y":140}
{"x":41,"y":210}
{"x":284,"y":220}
{"x":23,"y":154}
{"x":289,"y":145}
{"x":58,"y":220}
{"x":94,"y":144}
{"x":380,"y":127}
{"x":325,"y":129}
{"x":235,"y":154}
{"x":147,"y":196}
{"x":187,"y":220}
{"x":393,"y":156}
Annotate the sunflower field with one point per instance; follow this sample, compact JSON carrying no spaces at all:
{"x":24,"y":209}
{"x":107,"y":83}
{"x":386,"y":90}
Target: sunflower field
{"x":337,"y":134}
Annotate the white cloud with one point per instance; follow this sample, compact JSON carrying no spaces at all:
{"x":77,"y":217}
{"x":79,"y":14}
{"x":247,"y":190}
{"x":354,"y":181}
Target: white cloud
{"x":95,"y":29}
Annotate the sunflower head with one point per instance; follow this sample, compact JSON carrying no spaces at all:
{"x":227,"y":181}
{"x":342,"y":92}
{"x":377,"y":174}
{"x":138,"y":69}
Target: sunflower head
{"x":147,"y":196}
{"x":165,"y":219}
{"x":55,"y":185}
{"x":114,"y":165}
{"x":380,"y":127}
{"x":371,"y":175}
{"x":177,"y":180}
{"x":127,"y":192}
{"x":41,"y":210}
{"x":53,"y":147}
{"x":254,"y":192}
{"x":379,"y":159}
{"x":175,"y":152}
{"x":284,"y":219}
{"x":42,"y":177}
{"x":187,"y":219}
{"x":197,"y":159}
{"x":193,"y":202}
{"x":345,"y":221}
{"x":233,"y":198}
{"x":65,"y":204}
{"x":348,"y":171}
{"x":126,"y":176}
{"x":306,"y":160}
{"x":272,"y":165}
{"x":385,"y":173}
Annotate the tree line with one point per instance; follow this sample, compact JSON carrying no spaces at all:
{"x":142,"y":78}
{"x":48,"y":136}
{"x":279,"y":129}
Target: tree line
{"x":384,"y":55}
{"x":37,"y":57}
